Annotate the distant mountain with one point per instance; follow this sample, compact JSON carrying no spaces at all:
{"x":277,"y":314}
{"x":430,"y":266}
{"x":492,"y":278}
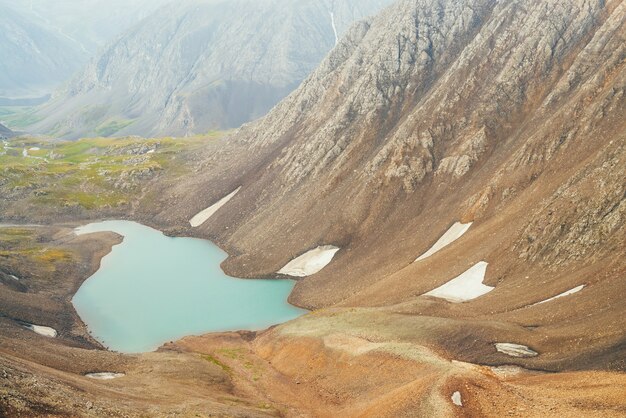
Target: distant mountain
{"x":44,"y":42}
{"x":201,"y":65}
{"x":34,"y":58}
{"x":6,"y":132}
{"x":91,"y":24}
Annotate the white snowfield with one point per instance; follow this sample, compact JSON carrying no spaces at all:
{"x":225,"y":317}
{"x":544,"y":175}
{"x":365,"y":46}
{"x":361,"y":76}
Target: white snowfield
{"x":469,"y":285}
{"x":456,"y":398}
{"x":332,"y":22}
{"x":310,"y":262}
{"x":14,"y":277}
{"x":105,"y":376}
{"x":515,"y":350}
{"x":569,"y":292}
{"x":45,"y":331}
{"x":455,"y":232}
{"x":204,"y":216}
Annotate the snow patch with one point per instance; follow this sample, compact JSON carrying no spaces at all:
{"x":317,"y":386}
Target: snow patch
{"x":569,"y":292}
{"x":204,"y":216}
{"x":469,"y":285}
{"x":456,"y":398}
{"x":515,"y":350}
{"x":105,"y":376}
{"x":455,"y":232}
{"x":45,"y":331}
{"x":310,"y":262}
{"x":14,"y":277}
{"x":332,"y":22}
{"x":25,"y":154}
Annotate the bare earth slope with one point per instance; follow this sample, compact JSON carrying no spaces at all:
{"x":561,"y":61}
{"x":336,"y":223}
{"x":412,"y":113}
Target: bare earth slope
{"x":458,"y":111}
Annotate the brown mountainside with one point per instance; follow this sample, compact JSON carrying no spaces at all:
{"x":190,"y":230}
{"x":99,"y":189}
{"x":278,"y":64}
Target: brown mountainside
{"x":508,"y":114}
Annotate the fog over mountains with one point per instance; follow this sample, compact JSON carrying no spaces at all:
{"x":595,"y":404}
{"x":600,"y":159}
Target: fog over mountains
{"x":201,"y":65}
{"x":44,"y":42}
{"x":34,"y":57}
{"x":5,"y":132}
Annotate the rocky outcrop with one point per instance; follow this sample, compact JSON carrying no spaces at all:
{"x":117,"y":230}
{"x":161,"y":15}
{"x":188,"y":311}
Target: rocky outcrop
{"x":201,"y":65}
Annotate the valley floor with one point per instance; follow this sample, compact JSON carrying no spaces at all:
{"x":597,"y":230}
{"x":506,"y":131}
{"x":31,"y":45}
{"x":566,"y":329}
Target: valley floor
{"x":375,"y":358}
{"x":334,"y":362}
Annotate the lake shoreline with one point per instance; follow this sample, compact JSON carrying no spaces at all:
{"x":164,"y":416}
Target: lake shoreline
{"x":45,"y":301}
{"x":202,"y":298}
{"x":73,"y":331}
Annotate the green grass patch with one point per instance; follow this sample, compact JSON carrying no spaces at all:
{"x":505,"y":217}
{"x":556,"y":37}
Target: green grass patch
{"x":111,"y":127}
{"x":91,"y":173}
{"x":16,"y":117}
{"x":14,"y":237}
{"x":68,"y":198}
{"x":218,"y":363}
{"x":232,"y":353}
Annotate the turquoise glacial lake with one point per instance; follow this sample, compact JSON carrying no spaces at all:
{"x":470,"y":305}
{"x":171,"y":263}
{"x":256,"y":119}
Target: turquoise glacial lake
{"x":152,"y":289}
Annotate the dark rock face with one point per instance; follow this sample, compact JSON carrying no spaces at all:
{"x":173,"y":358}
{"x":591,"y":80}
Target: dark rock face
{"x":202,"y":65}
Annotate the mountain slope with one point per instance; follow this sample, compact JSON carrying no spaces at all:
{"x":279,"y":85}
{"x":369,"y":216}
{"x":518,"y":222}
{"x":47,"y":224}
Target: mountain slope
{"x":35,"y":59}
{"x":201,"y":65}
{"x":44,"y":42}
{"x":6,"y":132}
{"x":90,"y":24}
{"x":457,"y":111}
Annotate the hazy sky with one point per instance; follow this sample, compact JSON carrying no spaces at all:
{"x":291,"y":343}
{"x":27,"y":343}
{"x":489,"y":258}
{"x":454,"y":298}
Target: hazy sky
{"x":45,"y":41}
{"x":90,"y":22}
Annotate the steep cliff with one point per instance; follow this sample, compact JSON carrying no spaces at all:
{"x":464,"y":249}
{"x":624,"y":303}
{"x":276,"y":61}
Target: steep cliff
{"x":201,"y":65}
